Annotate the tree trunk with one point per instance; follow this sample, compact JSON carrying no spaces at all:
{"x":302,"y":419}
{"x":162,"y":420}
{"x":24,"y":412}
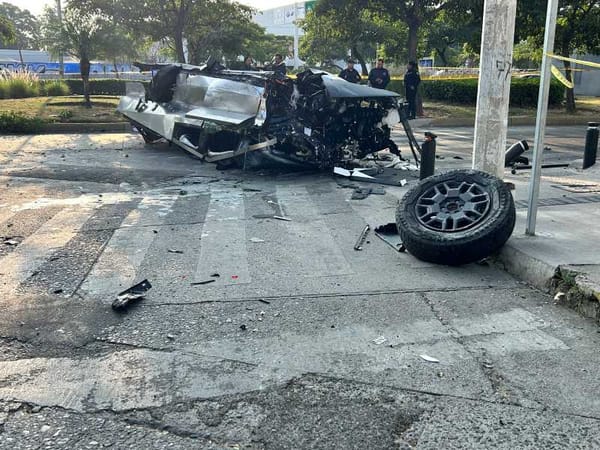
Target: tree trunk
{"x":84,"y":67}
{"x":570,"y":91}
{"x":116,"y":68}
{"x":413,"y":40}
{"x":442,"y":55}
{"x":179,"y":46}
{"x":361,"y":60}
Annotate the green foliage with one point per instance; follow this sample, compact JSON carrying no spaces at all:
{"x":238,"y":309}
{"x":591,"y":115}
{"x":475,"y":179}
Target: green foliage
{"x":220,"y":28}
{"x":7,"y":31}
{"x":65,"y":114}
{"x":523,"y":91}
{"x":55,"y":88}
{"x":24,"y":24}
{"x":19,"y":84}
{"x":97,"y":86}
{"x":11,"y":122}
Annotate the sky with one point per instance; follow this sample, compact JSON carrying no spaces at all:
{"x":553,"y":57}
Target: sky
{"x":36,"y":6}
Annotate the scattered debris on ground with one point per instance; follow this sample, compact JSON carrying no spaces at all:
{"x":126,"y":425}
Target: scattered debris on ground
{"x":388,"y":233}
{"x":198,"y":283}
{"x":130,"y":295}
{"x":362,"y":193}
{"x":361,"y":238}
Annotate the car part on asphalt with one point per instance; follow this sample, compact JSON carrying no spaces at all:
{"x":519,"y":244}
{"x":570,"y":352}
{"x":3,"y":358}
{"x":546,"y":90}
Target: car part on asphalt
{"x":129,"y":295}
{"x":362,"y":193}
{"x":199,"y":283}
{"x":252,"y":118}
{"x":456,"y":217}
{"x":516,"y":167}
{"x":388,"y":233}
{"x":362,"y":238}
{"x":514,"y":152}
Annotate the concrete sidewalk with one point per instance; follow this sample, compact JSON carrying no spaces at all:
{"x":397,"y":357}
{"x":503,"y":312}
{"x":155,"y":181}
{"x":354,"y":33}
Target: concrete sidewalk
{"x":563,"y":256}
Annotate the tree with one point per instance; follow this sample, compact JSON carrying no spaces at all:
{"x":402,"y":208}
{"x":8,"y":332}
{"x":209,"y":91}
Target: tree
{"x":220,"y":28}
{"x":577,"y":30}
{"x":452,"y":28}
{"x":209,"y":26}
{"x":25,"y":26}
{"x":83,"y":36}
{"x":7,"y":31}
{"x":336,"y":26}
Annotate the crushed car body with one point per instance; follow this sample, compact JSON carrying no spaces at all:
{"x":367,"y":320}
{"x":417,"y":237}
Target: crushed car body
{"x":252,"y":117}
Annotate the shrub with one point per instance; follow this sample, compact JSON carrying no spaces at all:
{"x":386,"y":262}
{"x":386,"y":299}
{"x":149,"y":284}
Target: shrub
{"x":3,"y":89}
{"x":523,"y":91}
{"x":65,"y":114}
{"x":20,"y":84}
{"x":12,"y":122}
{"x":56,"y":88}
{"x":98,"y":86}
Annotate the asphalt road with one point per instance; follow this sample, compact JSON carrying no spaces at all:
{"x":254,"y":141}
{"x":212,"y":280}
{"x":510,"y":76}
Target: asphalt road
{"x":562,"y":144}
{"x":300,"y":342}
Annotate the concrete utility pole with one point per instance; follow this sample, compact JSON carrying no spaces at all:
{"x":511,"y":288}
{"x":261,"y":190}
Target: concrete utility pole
{"x":296,"y":37}
{"x":495,"y":67}
{"x":540,"y":122}
{"x":61,"y":62}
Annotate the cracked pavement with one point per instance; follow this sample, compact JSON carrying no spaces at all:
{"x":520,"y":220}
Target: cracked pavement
{"x":300,"y":342}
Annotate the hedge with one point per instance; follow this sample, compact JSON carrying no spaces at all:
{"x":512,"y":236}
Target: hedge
{"x":523,"y":91}
{"x":12,"y":122}
{"x":97,"y":86}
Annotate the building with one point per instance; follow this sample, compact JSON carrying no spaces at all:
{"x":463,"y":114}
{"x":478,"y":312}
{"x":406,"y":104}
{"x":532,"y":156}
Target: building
{"x":280,"y":21}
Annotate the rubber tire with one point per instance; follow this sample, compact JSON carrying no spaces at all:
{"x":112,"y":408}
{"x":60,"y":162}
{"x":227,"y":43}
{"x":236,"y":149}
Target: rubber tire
{"x":459,"y":247}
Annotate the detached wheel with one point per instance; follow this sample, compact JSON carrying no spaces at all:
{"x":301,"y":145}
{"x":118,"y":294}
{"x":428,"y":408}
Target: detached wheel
{"x":456,"y":217}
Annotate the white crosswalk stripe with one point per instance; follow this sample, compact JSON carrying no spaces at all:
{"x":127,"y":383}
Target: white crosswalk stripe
{"x":117,"y":265}
{"x":20,"y":264}
{"x":310,"y":247}
{"x":223,"y":249}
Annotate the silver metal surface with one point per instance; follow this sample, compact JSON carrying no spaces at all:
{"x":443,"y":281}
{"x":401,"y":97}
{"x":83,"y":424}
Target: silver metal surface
{"x":542,"y":110}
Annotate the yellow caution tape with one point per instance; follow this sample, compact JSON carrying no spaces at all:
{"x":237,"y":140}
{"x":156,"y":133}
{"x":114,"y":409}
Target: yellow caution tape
{"x":573,"y":60}
{"x":560,"y":77}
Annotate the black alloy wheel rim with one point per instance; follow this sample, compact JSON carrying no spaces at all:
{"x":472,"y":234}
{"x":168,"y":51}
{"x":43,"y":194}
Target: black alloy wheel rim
{"x":453,"y":206}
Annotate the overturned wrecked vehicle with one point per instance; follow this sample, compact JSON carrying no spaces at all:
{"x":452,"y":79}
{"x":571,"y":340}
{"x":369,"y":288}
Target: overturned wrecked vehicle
{"x":250,"y":118}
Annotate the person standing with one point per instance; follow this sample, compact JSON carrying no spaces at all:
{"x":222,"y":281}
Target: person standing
{"x":350,"y":73}
{"x":249,"y":63}
{"x":279,"y":66}
{"x":379,"y":77}
{"x":412,"y":80}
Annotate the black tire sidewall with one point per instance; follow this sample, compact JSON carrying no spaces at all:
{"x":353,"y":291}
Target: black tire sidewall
{"x":461,"y":246}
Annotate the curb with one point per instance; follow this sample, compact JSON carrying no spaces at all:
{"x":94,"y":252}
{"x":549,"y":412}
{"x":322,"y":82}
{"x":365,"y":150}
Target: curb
{"x":512,"y":121}
{"x":570,"y":285}
{"x":105,"y":127}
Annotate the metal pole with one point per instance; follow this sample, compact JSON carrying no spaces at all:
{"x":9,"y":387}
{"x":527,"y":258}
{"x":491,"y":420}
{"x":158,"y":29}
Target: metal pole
{"x":296,"y":37}
{"x":540,"y":122}
{"x":491,"y":120}
{"x":591,"y":145}
{"x":427,"y":156}
{"x":61,"y":62}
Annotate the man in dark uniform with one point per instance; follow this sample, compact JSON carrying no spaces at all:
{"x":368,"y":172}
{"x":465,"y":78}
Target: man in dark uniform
{"x":350,"y":73}
{"x":411,"y":83}
{"x":279,"y":66}
{"x":379,"y":77}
